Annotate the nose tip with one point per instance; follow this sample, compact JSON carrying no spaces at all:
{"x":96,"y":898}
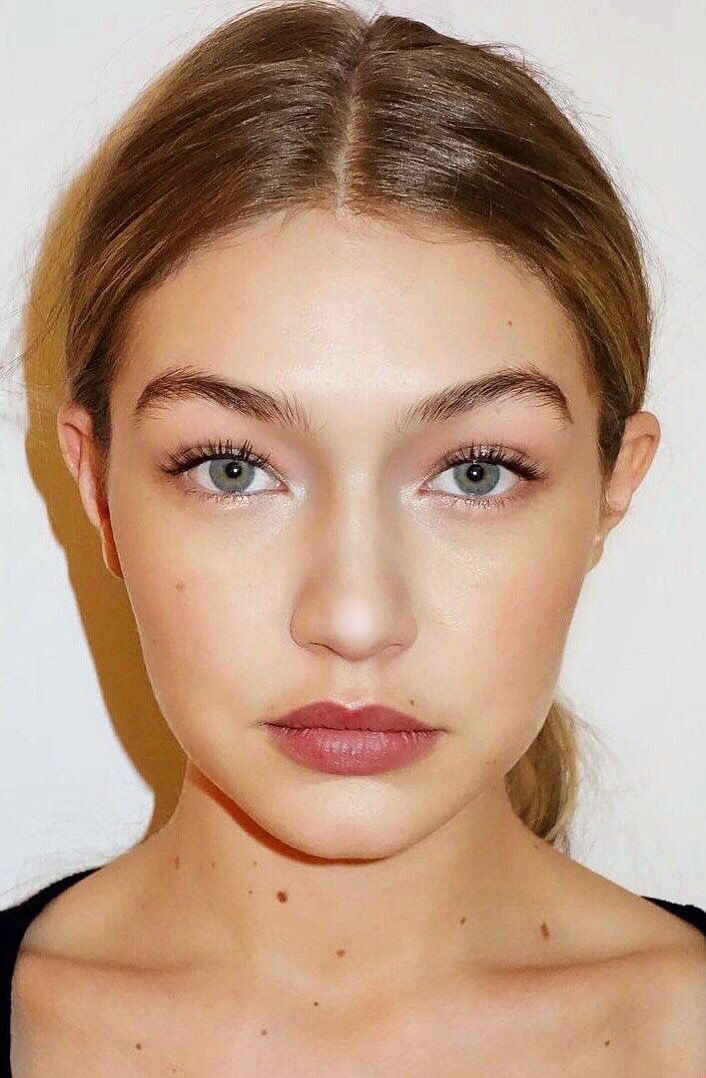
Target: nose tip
{"x":354,"y":627}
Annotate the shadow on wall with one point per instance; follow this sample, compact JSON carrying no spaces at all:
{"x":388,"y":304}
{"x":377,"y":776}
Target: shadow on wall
{"x":102,"y":600}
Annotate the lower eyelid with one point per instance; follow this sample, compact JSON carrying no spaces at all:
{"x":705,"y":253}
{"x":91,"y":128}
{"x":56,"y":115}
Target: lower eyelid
{"x":484,"y":503}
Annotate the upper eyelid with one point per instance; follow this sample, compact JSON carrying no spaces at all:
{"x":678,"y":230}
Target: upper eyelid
{"x":508,"y":457}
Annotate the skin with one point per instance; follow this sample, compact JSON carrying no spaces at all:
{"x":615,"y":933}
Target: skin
{"x":344,"y":580}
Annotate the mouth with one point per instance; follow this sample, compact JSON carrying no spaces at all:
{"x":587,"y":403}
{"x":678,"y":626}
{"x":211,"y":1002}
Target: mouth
{"x":332,"y":737}
{"x":332,"y":715}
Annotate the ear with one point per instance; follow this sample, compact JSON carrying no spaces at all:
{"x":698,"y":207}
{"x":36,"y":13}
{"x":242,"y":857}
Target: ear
{"x":640,"y":441}
{"x":74,"y":428}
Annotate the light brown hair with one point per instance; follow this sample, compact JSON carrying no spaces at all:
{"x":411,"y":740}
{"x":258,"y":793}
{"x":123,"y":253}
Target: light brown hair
{"x":309,"y":104}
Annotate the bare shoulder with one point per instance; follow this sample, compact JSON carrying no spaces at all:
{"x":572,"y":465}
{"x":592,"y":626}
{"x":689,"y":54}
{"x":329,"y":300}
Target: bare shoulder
{"x":82,"y":921}
{"x":51,"y":1034}
{"x":85,"y":966}
{"x":659,"y":1003}
{"x":639,"y":972}
{"x":631,"y":996}
{"x":678,"y":996}
{"x":606,"y":920}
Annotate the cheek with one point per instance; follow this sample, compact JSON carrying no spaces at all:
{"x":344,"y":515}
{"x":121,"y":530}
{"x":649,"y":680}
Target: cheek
{"x":208,"y":617}
{"x":505,"y":601}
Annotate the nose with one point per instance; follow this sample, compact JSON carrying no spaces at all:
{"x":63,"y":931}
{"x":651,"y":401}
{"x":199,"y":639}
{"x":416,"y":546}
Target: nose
{"x":354,"y":600}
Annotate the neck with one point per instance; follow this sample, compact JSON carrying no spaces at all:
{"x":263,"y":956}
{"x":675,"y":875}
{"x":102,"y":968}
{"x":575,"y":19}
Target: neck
{"x":467,"y":895}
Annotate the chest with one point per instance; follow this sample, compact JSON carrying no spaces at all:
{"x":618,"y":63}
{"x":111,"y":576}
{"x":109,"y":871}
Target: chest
{"x":87,"y":1025}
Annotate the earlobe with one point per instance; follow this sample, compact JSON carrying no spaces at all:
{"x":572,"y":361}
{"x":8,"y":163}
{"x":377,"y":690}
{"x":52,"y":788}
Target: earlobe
{"x":110,"y":553}
{"x":597,"y":553}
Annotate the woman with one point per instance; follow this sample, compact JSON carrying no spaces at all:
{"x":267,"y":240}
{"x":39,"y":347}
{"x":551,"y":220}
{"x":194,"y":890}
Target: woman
{"x":357,"y":341}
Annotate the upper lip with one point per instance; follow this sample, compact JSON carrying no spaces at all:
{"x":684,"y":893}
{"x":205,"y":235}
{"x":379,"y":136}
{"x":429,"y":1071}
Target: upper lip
{"x":336,"y":716}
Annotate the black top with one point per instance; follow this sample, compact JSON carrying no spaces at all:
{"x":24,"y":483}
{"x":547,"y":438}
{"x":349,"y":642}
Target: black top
{"x":15,"y":921}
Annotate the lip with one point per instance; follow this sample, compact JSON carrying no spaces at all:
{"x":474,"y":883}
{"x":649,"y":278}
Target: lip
{"x":332,"y":715}
{"x":341,"y":740}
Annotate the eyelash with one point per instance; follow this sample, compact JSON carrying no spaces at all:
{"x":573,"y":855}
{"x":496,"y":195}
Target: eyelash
{"x":185,"y":458}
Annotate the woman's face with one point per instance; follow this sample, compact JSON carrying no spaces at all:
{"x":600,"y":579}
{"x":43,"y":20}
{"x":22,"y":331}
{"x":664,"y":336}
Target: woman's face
{"x":356,"y":565}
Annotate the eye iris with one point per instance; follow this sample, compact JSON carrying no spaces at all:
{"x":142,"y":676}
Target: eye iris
{"x":233,"y":470}
{"x":480,"y":477}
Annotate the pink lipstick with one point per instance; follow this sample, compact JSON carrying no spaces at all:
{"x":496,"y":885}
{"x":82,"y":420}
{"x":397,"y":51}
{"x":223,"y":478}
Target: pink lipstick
{"x":342,"y":740}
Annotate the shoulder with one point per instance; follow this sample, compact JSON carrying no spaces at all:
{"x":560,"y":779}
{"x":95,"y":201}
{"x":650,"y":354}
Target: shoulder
{"x":75,"y":985}
{"x":670,"y":1017}
{"x":90,"y":921}
{"x":26,"y":988}
{"x":684,"y":911}
{"x":15,"y":919}
{"x":630,"y":975}
{"x":636,"y":996}
{"x":604,"y":919}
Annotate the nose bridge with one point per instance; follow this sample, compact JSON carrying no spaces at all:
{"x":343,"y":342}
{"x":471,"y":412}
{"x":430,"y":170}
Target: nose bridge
{"x":353,"y":598}
{"x":358,"y":530}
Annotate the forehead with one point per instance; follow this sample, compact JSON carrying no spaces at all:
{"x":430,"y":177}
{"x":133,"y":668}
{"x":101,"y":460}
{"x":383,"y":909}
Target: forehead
{"x":347,"y":312}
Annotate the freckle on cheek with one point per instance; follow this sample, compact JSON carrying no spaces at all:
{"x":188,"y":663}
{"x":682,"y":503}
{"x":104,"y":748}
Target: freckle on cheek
{"x":545,"y":930}
{"x":180,"y":585}
{"x":340,"y":952}
{"x":177,"y":862}
{"x":282,"y":896}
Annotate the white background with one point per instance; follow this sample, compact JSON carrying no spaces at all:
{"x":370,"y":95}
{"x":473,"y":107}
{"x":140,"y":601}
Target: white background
{"x":87,"y":765}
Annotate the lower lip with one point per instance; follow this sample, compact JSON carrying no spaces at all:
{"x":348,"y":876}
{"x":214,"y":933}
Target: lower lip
{"x":353,"y":752}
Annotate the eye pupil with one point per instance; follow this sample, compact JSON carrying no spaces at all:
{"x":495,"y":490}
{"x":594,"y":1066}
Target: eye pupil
{"x":475,"y":471}
{"x":233,"y":469}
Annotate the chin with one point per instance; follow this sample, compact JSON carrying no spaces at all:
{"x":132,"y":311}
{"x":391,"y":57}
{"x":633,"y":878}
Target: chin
{"x":352,"y":829}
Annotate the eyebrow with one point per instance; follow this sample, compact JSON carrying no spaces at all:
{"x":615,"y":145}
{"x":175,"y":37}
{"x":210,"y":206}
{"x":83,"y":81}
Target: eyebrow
{"x":287,"y":411}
